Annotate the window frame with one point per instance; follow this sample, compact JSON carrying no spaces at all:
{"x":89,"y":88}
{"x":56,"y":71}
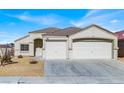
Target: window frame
{"x":24,"y":47}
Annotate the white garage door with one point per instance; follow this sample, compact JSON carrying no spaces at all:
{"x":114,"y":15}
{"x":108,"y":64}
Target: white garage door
{"x":55,"y":50}
{"x":92,"y":50}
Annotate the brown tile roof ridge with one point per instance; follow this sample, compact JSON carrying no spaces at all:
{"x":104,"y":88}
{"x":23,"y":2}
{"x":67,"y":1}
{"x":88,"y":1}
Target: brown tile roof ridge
{"x":65,"y":31}
{"x":46,"y":30}
{"x":72,"y":30}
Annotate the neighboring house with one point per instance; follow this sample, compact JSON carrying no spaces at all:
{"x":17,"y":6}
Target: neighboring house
{"x":120,"y":35}
{"x":6,"y":48}
{"x":92,"y":42}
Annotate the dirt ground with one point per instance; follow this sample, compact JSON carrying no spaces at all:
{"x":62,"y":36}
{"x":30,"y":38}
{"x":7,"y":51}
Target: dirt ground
{"x":121,"y":59}
{"x":22,"y":68}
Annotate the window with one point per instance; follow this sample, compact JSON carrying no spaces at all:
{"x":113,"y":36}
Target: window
{"x":24,"y":47}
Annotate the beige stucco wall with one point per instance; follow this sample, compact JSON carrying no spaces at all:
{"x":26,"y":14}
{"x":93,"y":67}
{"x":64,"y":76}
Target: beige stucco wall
{"x":35,"y":36}
{"x":32,"y":37}
{"x":95,"y":32}
{"x":27,"y":40}
{"x":17,"y":47}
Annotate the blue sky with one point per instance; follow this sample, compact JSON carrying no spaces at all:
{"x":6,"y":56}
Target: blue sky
{"x":17,"y":23}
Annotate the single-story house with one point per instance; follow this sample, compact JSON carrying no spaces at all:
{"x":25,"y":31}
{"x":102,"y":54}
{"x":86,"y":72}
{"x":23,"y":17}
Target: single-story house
{"x":120,"y":35}
{"x":92,"y":42}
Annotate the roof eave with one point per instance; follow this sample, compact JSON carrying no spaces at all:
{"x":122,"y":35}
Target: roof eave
{"x":98,"y":27}
{"x":21,"y":38}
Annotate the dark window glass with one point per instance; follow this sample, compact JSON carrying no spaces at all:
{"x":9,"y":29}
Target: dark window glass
{"x":24,"y":47}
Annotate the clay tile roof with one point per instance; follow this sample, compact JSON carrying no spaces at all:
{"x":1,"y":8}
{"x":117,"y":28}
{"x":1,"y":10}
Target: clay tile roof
{"x":65,"y":32}
{"x":120,"y":35}
{"x":72,"y":30}
{"x":46,"y":30}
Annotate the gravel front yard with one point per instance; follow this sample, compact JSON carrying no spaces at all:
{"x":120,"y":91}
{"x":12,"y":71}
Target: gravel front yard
{"x":22,"y":68}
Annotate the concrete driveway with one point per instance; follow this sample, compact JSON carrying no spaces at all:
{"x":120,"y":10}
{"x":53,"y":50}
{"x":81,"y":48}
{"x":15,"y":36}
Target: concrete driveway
{"x":91,"y":68}
{"x":85,"y":71}
{"x":75,"y":72}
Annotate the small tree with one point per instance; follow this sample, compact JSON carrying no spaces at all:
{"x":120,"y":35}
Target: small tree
{"x":5,"y":56}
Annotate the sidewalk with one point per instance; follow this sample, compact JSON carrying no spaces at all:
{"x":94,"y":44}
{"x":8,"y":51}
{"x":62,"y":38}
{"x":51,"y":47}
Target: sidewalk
{"x":62,"y":80}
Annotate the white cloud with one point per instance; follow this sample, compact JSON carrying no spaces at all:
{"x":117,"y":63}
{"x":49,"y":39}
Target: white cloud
{"x":23,"y":17}
{"x":88,"y":17}
{"x":11,"y":24}
{"x":7,"y":37}
{"x":92,"y":12}
{"x":97,"y":19}
{"x":77,"y":24}
{"x":49,"y":19}
{"x":114,"y":21}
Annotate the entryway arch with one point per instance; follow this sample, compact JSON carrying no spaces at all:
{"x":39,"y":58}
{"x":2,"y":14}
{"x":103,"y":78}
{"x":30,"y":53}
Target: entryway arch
{"x":38,"y":44}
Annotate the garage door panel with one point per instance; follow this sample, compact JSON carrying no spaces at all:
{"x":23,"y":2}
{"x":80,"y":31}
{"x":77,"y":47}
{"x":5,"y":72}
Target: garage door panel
{"x":92,"y":50}
{"x":55,"y":50}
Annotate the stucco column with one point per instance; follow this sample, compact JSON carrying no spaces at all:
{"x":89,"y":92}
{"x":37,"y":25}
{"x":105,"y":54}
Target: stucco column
{"x":31,"y":48}
{"x":69,"y":48}
{"x":115,"y":49}
{"x":44,"y":44}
